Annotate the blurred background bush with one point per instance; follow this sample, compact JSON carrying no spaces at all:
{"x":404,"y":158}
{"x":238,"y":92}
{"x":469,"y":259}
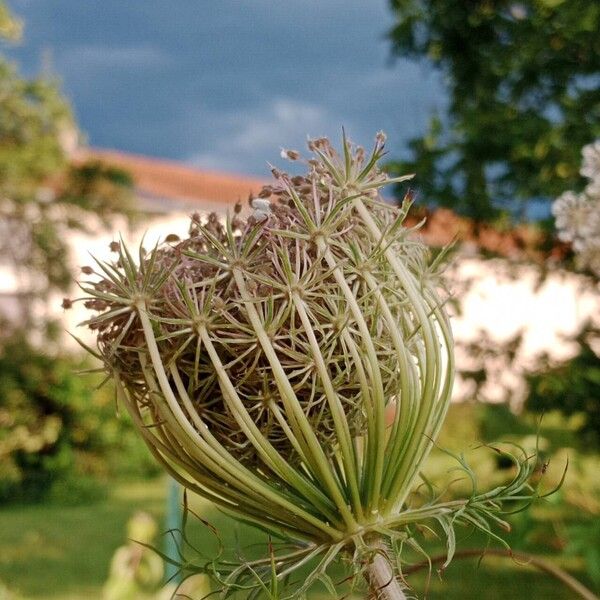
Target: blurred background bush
{"x":60,"y":440}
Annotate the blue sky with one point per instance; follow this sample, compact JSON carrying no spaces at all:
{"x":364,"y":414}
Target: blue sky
{"x":223,"y":85}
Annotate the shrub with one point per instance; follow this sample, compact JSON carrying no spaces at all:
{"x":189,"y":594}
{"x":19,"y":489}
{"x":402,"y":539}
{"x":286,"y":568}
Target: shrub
{"x":58,"y":436}
{"x":572,"y":387}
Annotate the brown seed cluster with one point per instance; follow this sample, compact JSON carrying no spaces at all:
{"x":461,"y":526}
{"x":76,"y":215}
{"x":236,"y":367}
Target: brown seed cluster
{"x":291,"y":290}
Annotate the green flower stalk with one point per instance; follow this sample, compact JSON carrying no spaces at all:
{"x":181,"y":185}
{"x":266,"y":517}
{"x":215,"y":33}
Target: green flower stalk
{"x":295,"y":368}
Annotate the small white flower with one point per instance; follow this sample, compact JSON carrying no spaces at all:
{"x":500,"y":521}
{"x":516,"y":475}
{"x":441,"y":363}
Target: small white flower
{"x":590,"y":167}
{"x":262,"y":209}
{"x":564,"y":203}
{"x":45,"y":194}
{"x":290,"y":154}
{"x":518,"y":11}
{"x":565,"y":236}
{"x":589,"y":255}
{"x":593,"y":189}
{"x":574,"y":214}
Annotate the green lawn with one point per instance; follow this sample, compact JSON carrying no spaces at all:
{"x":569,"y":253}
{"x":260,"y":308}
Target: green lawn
{"x":63,"y":553}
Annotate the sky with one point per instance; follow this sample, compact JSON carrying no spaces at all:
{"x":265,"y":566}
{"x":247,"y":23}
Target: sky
{"x":225,"y":84}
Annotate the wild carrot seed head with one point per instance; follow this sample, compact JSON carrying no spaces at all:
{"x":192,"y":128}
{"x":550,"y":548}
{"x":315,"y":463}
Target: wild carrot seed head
{"x":282,"y":263}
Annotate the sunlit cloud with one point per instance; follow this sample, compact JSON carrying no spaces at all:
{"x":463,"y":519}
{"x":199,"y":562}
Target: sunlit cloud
{"x":260,"y":133}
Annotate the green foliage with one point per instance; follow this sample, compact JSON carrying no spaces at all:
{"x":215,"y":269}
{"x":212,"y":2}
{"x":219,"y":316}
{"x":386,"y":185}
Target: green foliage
{"x":10,"y":27}
{"x":584,"y":540}
{"x":33,"y":116}
{"x":39,"y":541}
{"x":42,"y":194}
{"x":58,"y":438}
{"x":522,"y":79}
{"x":567,"y":520}
{"x":573,"y":388}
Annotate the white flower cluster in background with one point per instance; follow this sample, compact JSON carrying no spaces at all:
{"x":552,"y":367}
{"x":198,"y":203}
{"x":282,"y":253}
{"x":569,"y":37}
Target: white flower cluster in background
{"x":578,"y":214}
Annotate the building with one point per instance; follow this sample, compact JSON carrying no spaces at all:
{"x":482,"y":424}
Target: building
{"x":509,"y":299}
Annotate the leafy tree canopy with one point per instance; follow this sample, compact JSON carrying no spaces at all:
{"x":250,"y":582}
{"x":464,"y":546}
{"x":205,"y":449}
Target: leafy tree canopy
{"x":523,"y":81}
{"x":572,"y":387}
{"x":43,"y":194}
{"x":58,"y":435}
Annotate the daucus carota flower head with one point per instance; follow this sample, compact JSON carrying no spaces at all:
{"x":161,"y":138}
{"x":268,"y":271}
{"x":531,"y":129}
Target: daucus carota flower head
{"x":259,"y":356}
{"x":294,"y":321}
{"x":578,"y":215}
{"x":575,"y":217}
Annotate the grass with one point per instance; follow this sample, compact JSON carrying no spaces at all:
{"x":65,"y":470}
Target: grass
{"x":63,"y":553}
{"x":51,"y":552}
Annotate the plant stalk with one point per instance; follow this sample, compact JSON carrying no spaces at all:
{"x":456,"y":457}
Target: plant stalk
{"x":383,"y":581}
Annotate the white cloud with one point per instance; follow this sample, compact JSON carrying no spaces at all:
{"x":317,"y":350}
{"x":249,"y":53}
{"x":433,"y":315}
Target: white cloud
{"x":258,"y":134}
{"x":285,"y":119}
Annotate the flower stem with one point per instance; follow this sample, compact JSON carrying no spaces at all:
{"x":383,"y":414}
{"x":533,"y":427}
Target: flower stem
{"x":382,"y":579}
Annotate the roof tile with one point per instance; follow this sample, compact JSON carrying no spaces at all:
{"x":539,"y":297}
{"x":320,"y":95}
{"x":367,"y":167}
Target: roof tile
{"x":170,"y":180}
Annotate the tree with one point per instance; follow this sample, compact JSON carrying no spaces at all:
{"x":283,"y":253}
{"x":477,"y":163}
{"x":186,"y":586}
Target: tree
{"x":573,"y":388}
{"x":522,"y":80}
{"x":58,"y":435}
{"x":43,"y":195}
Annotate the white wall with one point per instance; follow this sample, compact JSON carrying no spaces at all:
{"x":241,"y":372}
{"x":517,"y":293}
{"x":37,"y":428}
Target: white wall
{"x":83,"y":247}
{"x":496,"y":297}
{"x":502,"y":299}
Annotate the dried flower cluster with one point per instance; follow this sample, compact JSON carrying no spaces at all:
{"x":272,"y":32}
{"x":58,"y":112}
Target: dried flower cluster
{"x":294,"y":309}
{"x":259,"y":358}
{"x":578,"y":215}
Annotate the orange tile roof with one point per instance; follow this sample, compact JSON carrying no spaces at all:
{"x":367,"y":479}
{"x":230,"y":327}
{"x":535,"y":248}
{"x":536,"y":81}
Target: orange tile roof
{"x":210,"y":190}
{"x":529,"y":241}
{"x":171,"y":180}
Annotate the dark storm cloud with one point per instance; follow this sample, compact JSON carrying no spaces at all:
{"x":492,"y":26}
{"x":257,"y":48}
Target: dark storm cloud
{"x":224,"y":84}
